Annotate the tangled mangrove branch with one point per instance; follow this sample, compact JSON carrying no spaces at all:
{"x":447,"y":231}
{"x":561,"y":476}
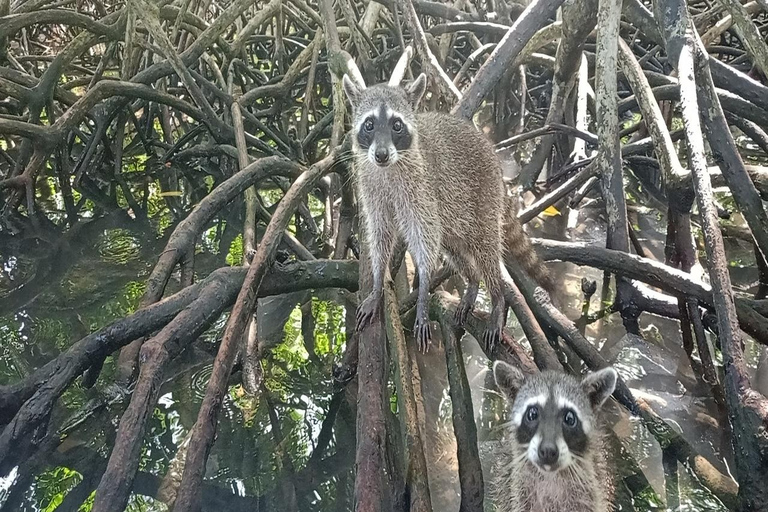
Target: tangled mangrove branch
{"x":221,"y":124}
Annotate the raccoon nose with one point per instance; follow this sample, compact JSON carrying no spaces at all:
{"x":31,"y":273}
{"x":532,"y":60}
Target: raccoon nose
{"x":548,"y":453}
{"x":382,"y":155}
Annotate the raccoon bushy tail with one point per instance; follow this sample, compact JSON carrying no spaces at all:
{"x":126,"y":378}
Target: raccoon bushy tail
{"x":518,"y":247}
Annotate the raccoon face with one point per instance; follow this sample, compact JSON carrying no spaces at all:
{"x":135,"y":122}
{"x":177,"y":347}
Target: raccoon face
{"x":382,"y":133}
{"x":552,"y":414}
{"x":384,"y":119}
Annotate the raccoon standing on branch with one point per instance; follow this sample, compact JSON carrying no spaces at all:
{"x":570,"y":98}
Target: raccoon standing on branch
{"x":433,"y":180}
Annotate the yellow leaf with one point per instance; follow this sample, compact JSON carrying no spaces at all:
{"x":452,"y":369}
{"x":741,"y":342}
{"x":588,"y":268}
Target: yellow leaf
{"x":551,"y":211}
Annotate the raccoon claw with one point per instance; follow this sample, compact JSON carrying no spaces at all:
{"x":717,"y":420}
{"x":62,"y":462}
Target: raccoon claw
{"x":284,"y":266}
{"x":466,"y":304}
{"x":491,"y":338}
{"x":367,"y":311}
{"x":462,"y":313}
{"x":423,"y":335}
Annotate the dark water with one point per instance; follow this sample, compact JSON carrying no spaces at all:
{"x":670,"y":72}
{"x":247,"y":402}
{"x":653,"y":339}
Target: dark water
{"x":102,"y":279}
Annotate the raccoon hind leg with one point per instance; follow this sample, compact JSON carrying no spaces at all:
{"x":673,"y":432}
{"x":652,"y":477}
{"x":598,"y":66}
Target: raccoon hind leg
{"x":491,"y":271}
{"x":467,"y":267}
{"x":425,"y":251}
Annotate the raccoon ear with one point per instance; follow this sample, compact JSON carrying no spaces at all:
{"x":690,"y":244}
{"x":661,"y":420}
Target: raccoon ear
{"x":600,"y":385}
{"x":417,"y":89}
{"x":351,"y":89}
{"x":508,"y":378}
{"x":402,"y":65}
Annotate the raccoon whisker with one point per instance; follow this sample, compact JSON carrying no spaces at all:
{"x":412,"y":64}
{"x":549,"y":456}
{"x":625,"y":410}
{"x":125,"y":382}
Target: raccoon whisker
{"x":515,"y":464}
{"x":346,"y":157}
{"x":578,"y":458}
{"x":507,"y":424}
{"x":579,"y":475}
{"x":491,"y":391}
{"x":580,"y":463}
{"x":405,"y":163}
{"x":345,"y":154}
{"x":349,"y":179}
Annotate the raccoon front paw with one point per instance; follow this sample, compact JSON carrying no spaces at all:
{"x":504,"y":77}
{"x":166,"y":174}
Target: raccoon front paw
{"x":368,"y":310}
{"x":491,"y":338}
{"x":423,"y":334}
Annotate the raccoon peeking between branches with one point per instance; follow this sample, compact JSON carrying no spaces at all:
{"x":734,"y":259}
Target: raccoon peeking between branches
{"x":553,"y":458}
{"x":435,"y":181}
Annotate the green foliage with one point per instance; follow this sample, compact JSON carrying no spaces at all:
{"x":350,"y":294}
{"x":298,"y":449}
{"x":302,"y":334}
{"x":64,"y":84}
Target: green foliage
{"x":157,"y":209}
{"x":141,"y":503}
{"x":270,"y":197}
{"x":248,"y":404}
{"x":53,"y":485}
{"x":13,"y":364}
{"x":726,"y":200}
{"x":74,"y":397}
{"x":647,"y":499}
{"x":235,"y":254}
{"x":677,"y":123}
{"x":47,"y":331}
{"x":119,"y":246}
{"x":291,"y":352}
{"x":208,"y":241}
{"x":330,"y":332}
{"x":636,"y":119}
{"x":316,"y":207}
{"x":87,"y":505}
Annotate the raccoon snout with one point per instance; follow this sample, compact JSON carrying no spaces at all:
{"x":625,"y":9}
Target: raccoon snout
{"x":381,"y":155}
{"x":548,"y":455}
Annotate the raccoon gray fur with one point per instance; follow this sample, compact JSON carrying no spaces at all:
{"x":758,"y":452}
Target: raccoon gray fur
{"x":553,"y":458}
{"x":435,"y":181}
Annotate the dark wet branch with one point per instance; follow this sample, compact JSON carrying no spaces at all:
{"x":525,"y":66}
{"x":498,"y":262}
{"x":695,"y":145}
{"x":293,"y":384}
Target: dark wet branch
{"x":205,"y":427}
{"x":187,"y":232}
{"x":470,"y":473}
{"x":747,"y":409}
{"x":372,"y":481}
{"x":532,"y":19}
{"x":416,"y":473}
{"x":29,"y":401}
{"x":89,"y":91}
{"x":656,"y":274}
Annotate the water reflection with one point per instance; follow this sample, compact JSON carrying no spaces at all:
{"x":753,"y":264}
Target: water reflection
{"x":304,"y":337}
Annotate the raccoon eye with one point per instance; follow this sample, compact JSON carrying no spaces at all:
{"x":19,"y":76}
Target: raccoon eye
{"x":368,"y":125}
{"x":570,"y":418}
{"x":397,"y":126}
{"x":532,"y":414}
